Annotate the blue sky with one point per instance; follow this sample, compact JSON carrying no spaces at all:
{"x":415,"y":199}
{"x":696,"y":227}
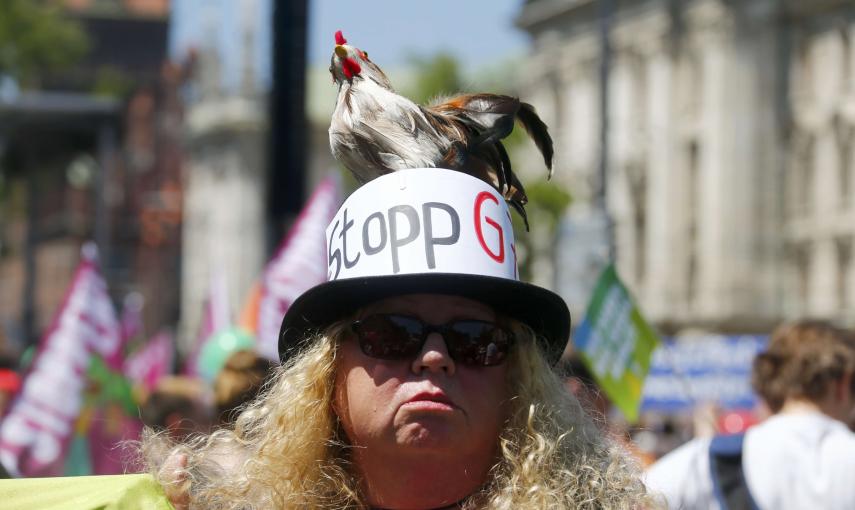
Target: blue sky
{"x":477,"y":32}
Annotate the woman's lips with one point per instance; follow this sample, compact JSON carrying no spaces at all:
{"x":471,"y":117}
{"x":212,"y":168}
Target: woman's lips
{"x":429,"y":402}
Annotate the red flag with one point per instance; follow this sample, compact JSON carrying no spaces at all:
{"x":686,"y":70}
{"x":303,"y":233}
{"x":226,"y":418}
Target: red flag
{"x":35,"y":434}
{"x":298,"y":265}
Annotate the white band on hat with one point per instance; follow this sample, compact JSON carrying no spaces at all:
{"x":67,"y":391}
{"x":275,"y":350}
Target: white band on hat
{"x":422,"y":220}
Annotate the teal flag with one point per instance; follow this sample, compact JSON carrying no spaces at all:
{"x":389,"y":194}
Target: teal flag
{"x":77,"y":461}
{"x":616,"y":343}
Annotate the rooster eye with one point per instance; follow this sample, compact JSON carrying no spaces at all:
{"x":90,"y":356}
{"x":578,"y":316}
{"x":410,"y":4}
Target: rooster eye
{"x":365,"y":55}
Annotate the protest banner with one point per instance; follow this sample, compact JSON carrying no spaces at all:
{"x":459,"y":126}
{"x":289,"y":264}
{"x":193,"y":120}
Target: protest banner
{"x":297,"y":266}
{"x":702,"y":368}
{"x":35,"y":434}
{"x":615,"y":342}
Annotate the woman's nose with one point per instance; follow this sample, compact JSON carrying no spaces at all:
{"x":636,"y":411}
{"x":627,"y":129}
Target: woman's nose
{"x":434,"y":356}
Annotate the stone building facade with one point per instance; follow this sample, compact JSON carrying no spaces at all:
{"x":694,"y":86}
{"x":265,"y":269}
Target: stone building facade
{"x":731,"y":161}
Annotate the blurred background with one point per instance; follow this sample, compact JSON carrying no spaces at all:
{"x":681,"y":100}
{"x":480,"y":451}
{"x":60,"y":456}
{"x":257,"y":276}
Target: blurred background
{"x":706,"y":146}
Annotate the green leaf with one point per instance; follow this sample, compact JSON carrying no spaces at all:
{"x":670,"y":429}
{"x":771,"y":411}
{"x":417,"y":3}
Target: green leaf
{"x":438,"y":75}
{"x":37,"y":38}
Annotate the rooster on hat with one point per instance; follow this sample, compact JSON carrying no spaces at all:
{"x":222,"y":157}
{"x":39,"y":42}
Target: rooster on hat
{"x":375,"y":131}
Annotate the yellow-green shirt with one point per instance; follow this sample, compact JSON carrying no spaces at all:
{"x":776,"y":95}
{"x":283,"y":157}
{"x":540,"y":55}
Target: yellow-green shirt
{"x":115,"y":492}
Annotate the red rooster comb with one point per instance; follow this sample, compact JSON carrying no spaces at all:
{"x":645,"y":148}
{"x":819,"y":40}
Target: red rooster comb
{"x":339,"y":38}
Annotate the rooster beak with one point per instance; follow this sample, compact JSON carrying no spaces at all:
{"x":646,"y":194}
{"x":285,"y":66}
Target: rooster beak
{"x":340,"y":51}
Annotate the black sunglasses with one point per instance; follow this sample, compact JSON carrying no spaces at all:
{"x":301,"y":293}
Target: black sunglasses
{"x":396,"y":337}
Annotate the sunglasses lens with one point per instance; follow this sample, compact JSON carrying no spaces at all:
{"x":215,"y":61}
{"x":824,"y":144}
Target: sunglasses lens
{"x":469,"y":342}
{"x":477,"y":343}
{"x":389,"y":336}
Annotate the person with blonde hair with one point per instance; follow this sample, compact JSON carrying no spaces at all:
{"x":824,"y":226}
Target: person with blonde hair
{"x":803,"y":456}
{"x":419,"y":376}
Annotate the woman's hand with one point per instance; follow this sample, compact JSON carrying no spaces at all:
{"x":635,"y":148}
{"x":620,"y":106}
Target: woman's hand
{"x":176,"y":484}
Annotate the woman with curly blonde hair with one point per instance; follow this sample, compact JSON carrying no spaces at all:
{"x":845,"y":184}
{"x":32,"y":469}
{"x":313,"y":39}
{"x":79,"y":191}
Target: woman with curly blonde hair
{"x":406,"y":387}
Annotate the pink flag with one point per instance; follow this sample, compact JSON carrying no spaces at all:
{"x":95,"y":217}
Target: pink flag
{"x":109,"y":430}
{"x":151,"y":362}
{"x":35,"y":434}
{"x":130,"y":325}
{"x":299,"y":264}
{"x":131,"y":319}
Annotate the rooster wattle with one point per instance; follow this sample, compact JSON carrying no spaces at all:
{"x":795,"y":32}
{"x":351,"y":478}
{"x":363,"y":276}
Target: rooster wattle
{"x":375,"y":131}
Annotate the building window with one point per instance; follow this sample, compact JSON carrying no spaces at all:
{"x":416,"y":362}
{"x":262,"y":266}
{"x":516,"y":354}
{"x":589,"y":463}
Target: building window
{"x":848,"y":73}
{"x":848,"y":168}
{"x":691,"y":82}
{"x":844,"y":271}
{"x":637,"y":68}
{"x":804,"y":75}
{"x":636,"y":175}
{"x":803,"y":260}
{"x":844,"y":139}
{"x":802,"y":176}
{"x":692,"y":206}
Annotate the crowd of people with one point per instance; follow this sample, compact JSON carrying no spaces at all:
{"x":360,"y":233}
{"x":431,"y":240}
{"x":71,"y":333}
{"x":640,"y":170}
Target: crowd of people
{"x":184,"y":405}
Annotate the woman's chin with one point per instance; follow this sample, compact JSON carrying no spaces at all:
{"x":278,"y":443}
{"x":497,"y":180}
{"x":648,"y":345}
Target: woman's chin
{"x":430,"y":432}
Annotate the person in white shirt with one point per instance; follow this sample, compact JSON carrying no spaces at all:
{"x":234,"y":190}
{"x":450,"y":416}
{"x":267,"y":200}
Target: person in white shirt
{"x":803,"y":456}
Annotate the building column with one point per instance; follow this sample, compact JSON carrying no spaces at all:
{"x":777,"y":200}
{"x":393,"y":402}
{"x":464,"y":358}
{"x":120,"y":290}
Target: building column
{"x":664,"y":246}
{"x":224,"y":233}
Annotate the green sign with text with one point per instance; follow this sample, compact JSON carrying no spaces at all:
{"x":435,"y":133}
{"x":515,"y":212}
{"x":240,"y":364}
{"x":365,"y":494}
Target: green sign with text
{"x":616,"y":343}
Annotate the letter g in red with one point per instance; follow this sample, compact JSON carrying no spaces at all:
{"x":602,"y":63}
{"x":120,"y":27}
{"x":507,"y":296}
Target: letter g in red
{"x":479,"y":201}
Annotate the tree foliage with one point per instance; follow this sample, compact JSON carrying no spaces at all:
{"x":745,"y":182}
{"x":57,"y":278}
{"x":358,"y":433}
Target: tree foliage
{"x":36,"y":38}
{"x":437,"y":75}
{"x":547,"y":202}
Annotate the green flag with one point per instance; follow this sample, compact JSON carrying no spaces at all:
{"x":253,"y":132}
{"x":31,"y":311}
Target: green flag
{"x":107,"y":385}
{"x":615,"y":342}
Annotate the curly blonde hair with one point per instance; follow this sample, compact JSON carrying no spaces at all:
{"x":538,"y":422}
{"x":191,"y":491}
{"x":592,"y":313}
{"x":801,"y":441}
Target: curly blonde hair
{"x":287,"y":449}
{"x":801,"y":360}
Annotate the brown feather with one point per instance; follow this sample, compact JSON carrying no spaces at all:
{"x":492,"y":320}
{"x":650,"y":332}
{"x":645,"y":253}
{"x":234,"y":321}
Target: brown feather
{"x":538,"y":132}
{"x":487,"y":119}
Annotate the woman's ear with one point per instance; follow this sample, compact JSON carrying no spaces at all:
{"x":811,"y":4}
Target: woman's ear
{"x":339,"y":399}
